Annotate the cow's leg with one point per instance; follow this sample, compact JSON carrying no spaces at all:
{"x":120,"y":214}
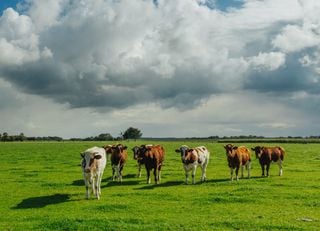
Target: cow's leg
{"x":139,"y":170}
{"x":280,"y":167}
{"x":237,"y":172}
{"x":194,"y":169}
{"x":267,"y":168}
{"x":249,"y":168}
{"x":99,"y":183}
{"x":87,"y":189}
{"x":231,"y":174}
{"x":262,"y":169}
{"x":186,"y":173}
{"x":204,"y":172}
{"x":120,"y":173}
{"x":156,"y":175}
{"x":96,"y":187}
{"x":113,"y":173}
{"x":159,"y":173}
{"x":93,"y":186}
{"x":148,"y":176}
{"x":242,"y":169}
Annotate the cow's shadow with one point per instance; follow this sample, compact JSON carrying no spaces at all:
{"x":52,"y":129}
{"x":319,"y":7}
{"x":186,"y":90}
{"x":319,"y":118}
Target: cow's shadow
{"x":42,"y":201}
{"x":78,"y":182}
{"x":161,"y":185}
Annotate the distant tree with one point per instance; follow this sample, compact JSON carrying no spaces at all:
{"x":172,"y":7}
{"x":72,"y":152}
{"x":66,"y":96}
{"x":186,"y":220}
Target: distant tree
{"x":132,"y":133}
{"x":21,"y":137}
{"x":5,"y":136}
{"x":104,"y":137}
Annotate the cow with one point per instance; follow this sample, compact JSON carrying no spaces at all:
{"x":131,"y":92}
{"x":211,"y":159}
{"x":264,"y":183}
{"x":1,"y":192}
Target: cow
{"x":118,"y":158}
{"x":238,"y":157}
{"x":108,"y":151}
{"x":138,"y":157}
{"x":191,"y":158}
{"x":93,"y":164}
{"x":266,"y":155}
{"x":152,"y":157}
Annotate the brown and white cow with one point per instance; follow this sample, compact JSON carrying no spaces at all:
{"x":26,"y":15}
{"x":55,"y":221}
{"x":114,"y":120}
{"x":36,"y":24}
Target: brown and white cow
{"x":139,"y":157}
{"x":191,"y":158}
{"x":238,"y":157}
{"x":93,"y":164}
{"x":118,"y":158}
{"x":266,"y":155}
{"x":153,"y":157}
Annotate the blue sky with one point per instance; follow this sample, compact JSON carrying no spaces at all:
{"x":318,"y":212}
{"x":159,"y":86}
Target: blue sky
{"x":4,"y":4}
{"x":172,"y":70}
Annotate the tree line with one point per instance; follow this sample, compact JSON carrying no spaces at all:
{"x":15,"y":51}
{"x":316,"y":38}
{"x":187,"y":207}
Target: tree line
{"x":130,"y":133}
{"x":135,"y":133}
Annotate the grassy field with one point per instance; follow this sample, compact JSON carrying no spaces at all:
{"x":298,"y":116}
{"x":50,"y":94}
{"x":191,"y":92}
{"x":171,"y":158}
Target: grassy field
{"x":42,"y":189}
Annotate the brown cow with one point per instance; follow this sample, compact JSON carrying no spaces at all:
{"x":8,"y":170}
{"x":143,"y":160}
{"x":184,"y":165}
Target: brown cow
{"x":266,"y":155}
{"x":238,"y":157}
{"x":153,"y":157}
{"x":118,"y":158}
{"x":139,"y":157}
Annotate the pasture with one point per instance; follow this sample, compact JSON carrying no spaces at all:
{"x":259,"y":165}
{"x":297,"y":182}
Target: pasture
{"x":42,"y":189}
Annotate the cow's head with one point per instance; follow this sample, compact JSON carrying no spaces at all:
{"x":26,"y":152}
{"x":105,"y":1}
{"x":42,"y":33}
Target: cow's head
{"x":135,"y":151}
{"x":108,"y":148}
{"x":89,"y":161}
{"x":230,"y":149}
{"x":258,"y":151}
{"x":185,"y":153}
{"x":118,"y":149}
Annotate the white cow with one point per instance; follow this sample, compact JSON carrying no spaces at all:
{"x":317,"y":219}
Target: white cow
{"x":191,"y":158}
{"x":93,"y":164}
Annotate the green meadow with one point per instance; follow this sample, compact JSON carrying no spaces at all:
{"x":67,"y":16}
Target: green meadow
{"x":42,"y":189}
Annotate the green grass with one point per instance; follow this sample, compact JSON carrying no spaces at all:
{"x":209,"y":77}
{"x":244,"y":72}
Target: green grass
{"x":42,"y":189}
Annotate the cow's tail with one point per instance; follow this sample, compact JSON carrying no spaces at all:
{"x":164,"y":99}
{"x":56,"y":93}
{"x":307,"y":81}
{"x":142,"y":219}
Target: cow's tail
{"x":282,"y":153}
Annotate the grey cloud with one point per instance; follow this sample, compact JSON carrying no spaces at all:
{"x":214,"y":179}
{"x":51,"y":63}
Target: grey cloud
{"x":292,"y":77}
{"x":105,"y":55}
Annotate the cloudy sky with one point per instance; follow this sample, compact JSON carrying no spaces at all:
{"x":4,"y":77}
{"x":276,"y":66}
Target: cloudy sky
{"x":183,"y":68}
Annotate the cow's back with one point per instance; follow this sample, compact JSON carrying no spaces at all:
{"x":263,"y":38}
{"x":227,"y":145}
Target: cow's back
{"x":243,"y":154}
{"x":202,"y":153}
{"x":154,"y":155}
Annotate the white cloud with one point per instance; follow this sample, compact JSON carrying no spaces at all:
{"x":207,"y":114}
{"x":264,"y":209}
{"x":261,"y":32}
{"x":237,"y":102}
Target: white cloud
{"x":177,"y":58}
{"x":294,"y":38}
{"x":267,"y":61}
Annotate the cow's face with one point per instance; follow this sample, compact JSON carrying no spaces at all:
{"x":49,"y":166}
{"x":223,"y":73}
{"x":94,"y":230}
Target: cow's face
{"x":258,"y":151}
{"x":184,"y":151}
{"x":108,"y":148}
{"x":136,"y":152}
{"x":118,"y":149}
{"x":89,"y":161}
{"x":230,"y":149}
{"x":141,"y":151}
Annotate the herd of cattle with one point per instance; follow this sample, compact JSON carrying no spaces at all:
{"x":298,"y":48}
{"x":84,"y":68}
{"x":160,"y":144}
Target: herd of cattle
{"x":152,"y":156}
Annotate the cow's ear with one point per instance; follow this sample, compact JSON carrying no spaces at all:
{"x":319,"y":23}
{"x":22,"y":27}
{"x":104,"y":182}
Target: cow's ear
{"x":82,"y":154}
{"x":190,"y":150}
{"x":177,"y":150}
{"x":125,"y":147}
{"x":97,"y":157}
{"x":253,"y":149}
{"x":234,"y":148}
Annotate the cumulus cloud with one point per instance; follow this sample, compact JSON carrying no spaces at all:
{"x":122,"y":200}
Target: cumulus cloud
{"x":109,"y":55}
{"x":118,"y":53}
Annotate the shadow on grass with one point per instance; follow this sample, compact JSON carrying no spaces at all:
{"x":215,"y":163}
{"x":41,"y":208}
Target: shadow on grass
{"x":78,"y":182}
{"x":161,"y":185}
{"x":42,"y":201}
{"x":123,"y":183}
